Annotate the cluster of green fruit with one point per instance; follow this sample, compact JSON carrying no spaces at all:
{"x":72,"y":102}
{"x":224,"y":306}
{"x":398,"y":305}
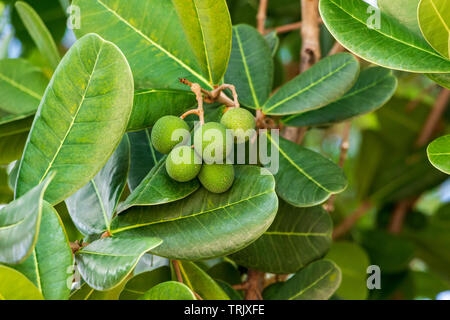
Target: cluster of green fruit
{"x":213,"y":143}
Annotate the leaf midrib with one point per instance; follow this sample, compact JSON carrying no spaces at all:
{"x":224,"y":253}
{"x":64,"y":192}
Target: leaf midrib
{"x":311,"y":285}
{"x":315,"y":83}
{"x":75,"y":115}
{"x":297,"y":234}
{"x":247,"y":71}
{"x":286,"y":156}
{"x":386,"y":35}
{"x":155,"y":44}
{"x":346,"y":96}
{"x":136,"y":226}
{"x":21,"y":88}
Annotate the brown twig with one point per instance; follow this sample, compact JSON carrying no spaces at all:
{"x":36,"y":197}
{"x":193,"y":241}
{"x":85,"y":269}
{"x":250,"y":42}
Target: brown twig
{"x":433,"y":118}
{"x":76,"y":246}
{"x":176,"y":267}
{"x":208,"y":95}
{"x":309,"y":54}
{"x":255,"y":285}
{"x":287,"y":27}
{"x":310,"y":32}
{"x":337,"y":47}
{"x":348,"y":223}
{"x":262,"y":14}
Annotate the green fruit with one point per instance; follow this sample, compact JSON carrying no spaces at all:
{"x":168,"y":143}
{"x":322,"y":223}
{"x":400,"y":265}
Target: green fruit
{"x":183,"y":164}
{"x":239,"y":120}
{"x":168,"y":132}
{"x":213,"y":142}
{"x":217,"y":178}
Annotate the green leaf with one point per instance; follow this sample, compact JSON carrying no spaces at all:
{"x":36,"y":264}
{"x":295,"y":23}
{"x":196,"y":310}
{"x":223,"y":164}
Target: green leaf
{"x":305,"y":178}
{"x":318,"y":281}
{"x":439,"y":153}
{"x":22,"y":86}
{"x":226,"y":271}
{"x":39,"y":32}
{"x":170,"y":290}
{"x":251,"y":66}
{"x":143,"y":157}
{"x":6,"y":194}
{"x":273,"y":41}
{"x":105,"y":263}
{"x":50,"y":265}
{"x":320,"y":85}
{"x":141,"y":283}
{"x":93,"y":206}
{"x":375,"y":86}
{"x":11,"y":147}
{"x":388,"y":44}
{"x":200,"y":282}
{"x":297,"y":237}
{"x":151,"y":105}
{"x":353,"y":262}
{"x":87,"y":293}
{"x":212,"y":224}
{"x":15,"y":286}
{"x":434,"y":22}
{"x":19,"y":225}
{"x":188,"y":44}
{"x":92,"y":92}
{"x":158,"y":188}
{"x":443,"y":79}
{"x":14,"y":124}
{"x":404,"y":11}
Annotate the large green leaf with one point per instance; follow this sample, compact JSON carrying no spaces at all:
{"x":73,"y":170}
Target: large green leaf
{"x":15,"y":286}
{"x":305,"y":178}
{"x":19,"y":225}
{"x":375,"y":86}
{"x":150,"y":105}
{"x":143,"y":157}
{"x":439,"y":153}
{"x":212,"y":224}
{"x":404,"y":11}
{"x":164,"y":40}
{"x":320,"y":85}
{"x":434,"y":22}
{"x":158,"y":188}
{"x":39,"y":32}
{"x":6,"y":194}
{"x":297,"y":237}
{"x":50,"y":265}
{"x":11,"y":147}
{"x":105,"y":263}
{"x":22,"y":86}
{"x":93,"y":206}
{"x":442,"y":79}
{"x":170,"y":290}
{"x":200,"y":282}
{"x":251,"y":66}
{"x":318,"y":281}
{"x":87,"y":293}
{"x":141,"y":283}
{"x":92,"y":94}
{"x":389,"y":44}
{"x":353,"y":262}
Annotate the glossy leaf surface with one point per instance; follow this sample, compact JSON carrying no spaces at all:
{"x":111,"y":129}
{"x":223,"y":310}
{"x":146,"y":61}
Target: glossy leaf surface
{"x":234,"y":218}
{"x":92,"y":92}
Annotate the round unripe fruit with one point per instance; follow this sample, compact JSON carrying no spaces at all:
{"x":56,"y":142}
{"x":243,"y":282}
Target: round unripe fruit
{"x":239,"y":121}
{"x":168,"y":132}
{"x":213,"y":142}
{"x":217,"y":178}
{"x":183,"y":164}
